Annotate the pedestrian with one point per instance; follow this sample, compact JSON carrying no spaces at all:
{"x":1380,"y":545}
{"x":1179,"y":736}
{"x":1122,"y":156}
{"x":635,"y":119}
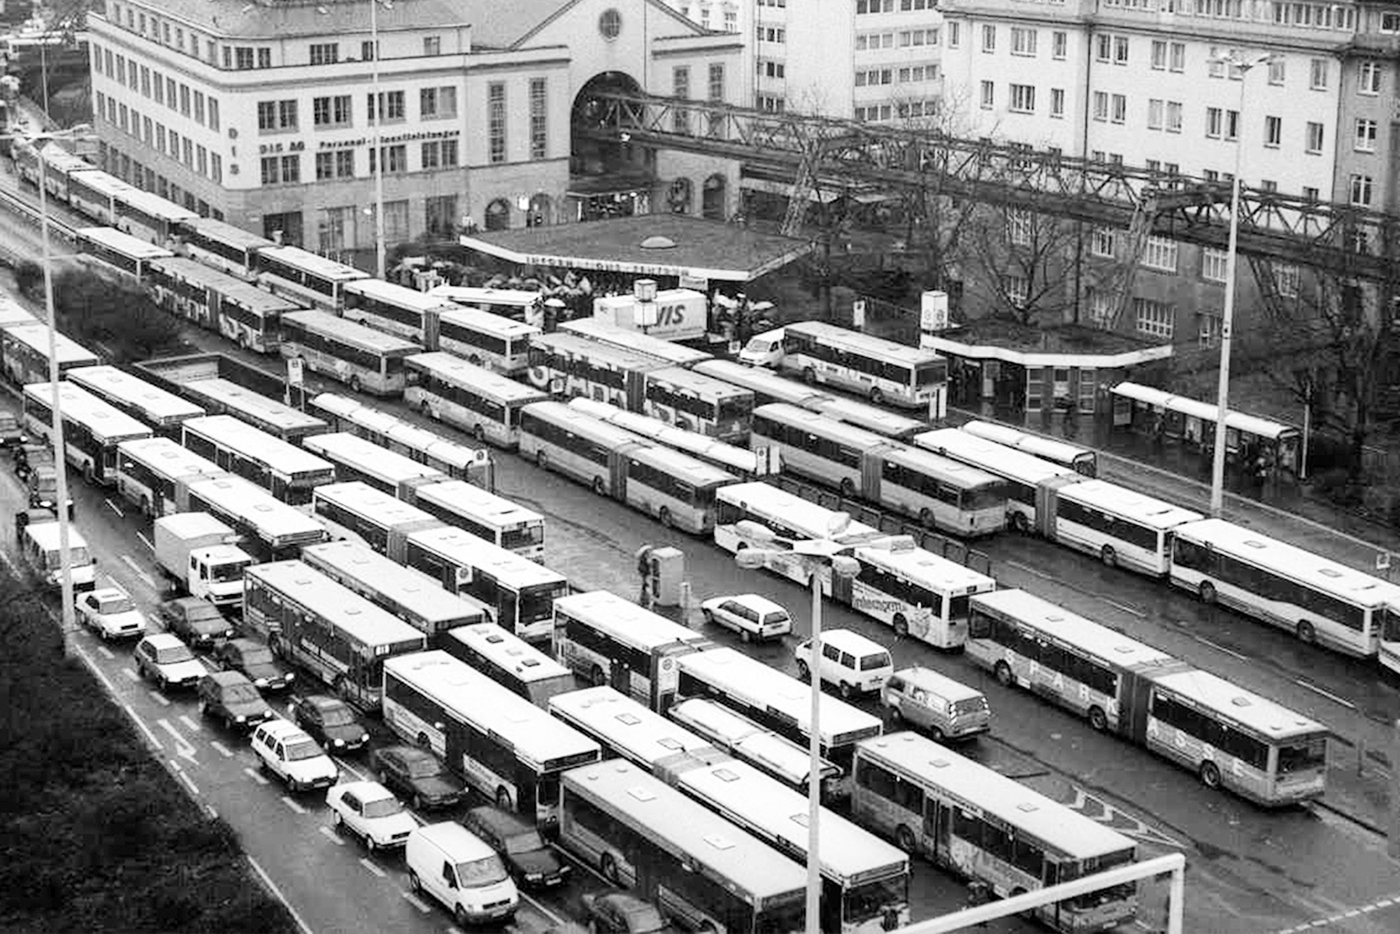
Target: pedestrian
{"x":978,"y":893}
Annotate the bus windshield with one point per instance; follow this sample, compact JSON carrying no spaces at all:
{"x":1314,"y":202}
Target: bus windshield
{"x":538,"y":602}
{"x":1308,"y":754}
{"x":868,"y":900}
{"x":520,"y":537}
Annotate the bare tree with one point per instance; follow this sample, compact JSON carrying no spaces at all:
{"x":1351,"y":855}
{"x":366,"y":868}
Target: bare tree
{"x":1023,"y":263}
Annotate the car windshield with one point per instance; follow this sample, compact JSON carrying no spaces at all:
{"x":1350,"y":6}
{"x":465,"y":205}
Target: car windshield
{"x":257,"y":656}
{"x":526,"y":842}
{"x":229,"y":572}
{"x":176,"y":653}
{"x":108,"y":605}
{"x":481,"y":872}
{"x":337,"y":716}
{"x":644,"y":918}
{"x":208,"y":624}
{"x":241,"y":694}
{"x":422,"y":767}
{"x":299,"y":749}
{"x":384,"y":807}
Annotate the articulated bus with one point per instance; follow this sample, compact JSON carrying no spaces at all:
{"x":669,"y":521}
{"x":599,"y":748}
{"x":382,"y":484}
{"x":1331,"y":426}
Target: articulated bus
{"x":739,"y":461}
{"x":221,"y":396}
{"x":515,"y":304}
{"x":357,"y":459}
{"x":151,"y":471}
{"x":518,"y":593}
{"x":221,"y":246}
{"x":360,"y":357}
{"x":148,"y":216}
{"x":485,"y":404}
{"x":304,"y":277}
{"x":395,"y":309}
{"x":283,"y":469}
{"x":629,"y":730}
{"x":609,"y":640}
{"x":163,"y":411}
{"x":457,"y":461}
{"x":111,"y":250}
{"x":511,"y":661}
{"x":487,"y":340}
{"x":939,"y":492}
{"x":24,"y":347}
{"x":240,"y":311}
{"x":93,"y":193}
{"x":697,"y":867}
{"x":605,"y":332}
{"x":409,"y":595}
{"x":1228,"y":736}
{"x":92,"y":428}
{"x":676,"y":488}
{"x":357,"y":511}
{"x":49,"y":160}
{"x":270,"y":529}
{"x":503,"y":746}
{"x":329,"y":630}
{"x":986,"y":827}
{"x":1083,"y":460}
{"x":1028,"y":478}
{"x":757,"y":745}
{"x":484,"y":514}
{"x":872,"y":366}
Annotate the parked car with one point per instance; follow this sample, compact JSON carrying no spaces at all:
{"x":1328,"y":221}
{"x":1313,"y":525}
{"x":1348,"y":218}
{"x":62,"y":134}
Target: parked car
{"x":418,"y":775}
{"x":11,"y":432}
{"x":167,"y":661}
{"x":330,"y":721}
{"x":370,"y":811}
{"x":748,"y":614}
{"x":532,"y":862}
{"x":926,"y":700}
{"x":257,"y":662}
{"x":623,"y":912}
{"x":851,"y":662}
{"x":284,"y":749}
{"x":110,"y":613}
{"x":195,"y":620}
{"x":230,"y":697}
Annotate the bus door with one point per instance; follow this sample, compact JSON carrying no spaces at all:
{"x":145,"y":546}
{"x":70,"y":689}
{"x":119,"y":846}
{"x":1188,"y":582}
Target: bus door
{"x":871,"y":465}
{"x":937,"y":824}
{"x":843,"y":589}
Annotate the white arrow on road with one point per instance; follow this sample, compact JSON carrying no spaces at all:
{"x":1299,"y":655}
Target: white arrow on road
{"x":182,"y":745}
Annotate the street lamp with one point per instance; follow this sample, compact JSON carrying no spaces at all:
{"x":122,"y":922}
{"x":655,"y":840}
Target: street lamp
{"x":1217,"y":485}
{"x":378,"y":120}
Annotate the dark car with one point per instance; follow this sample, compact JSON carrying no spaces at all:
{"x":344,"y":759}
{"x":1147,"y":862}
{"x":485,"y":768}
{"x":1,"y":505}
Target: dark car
{"x":257,"y":662}
{"x":419,"y":776}
{"x":195,"y":620}
{"x":329,"y":721}
{"x":11,"y":432}
{"x":532,"y":862}
{"x":624,"y":912}
{"x":230,"y":697}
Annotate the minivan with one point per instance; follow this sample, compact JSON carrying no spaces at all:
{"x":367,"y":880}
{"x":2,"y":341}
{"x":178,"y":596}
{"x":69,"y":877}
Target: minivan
{"x":850,"y":662}
{"x":764,"y":349}
{"x":41,"y":553}
{"x":923,"y":699}
{"x":457,"y":868}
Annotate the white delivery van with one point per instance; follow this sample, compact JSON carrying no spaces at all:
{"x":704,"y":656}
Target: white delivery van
{"x":850,"y":662}
{"x":457,"y":868}
{"x":41,"y":553}
{"x":764,"y":349}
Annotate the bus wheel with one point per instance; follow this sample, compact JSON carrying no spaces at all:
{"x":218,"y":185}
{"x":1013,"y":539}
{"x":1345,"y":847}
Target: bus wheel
{"x":901,"y":626}
{"x":426,"y":409}
{"x":354,"y":384}
{"x":1020,"y":523}
{"x":1306,"y":633}
{"x":876,"y":396}
{"x":423,"y":740}
{"x":608,"y":866}
{"x":1108,"y":556}
{"x":1004,"y":675}
{"x":665,"y":516}
{"x":274,"y":643}
{"x":503,"y":800}
{"x":1098,"y":719}
{"x":595,"y":676}
{"x":598,"y":486}
{"x":848,"y":488}
{"x":1207,"y":592}
{"x":810,"y":375}
{"x":541,"y":460}
{"x":904,"y":837}
{"x":1210,"y":775}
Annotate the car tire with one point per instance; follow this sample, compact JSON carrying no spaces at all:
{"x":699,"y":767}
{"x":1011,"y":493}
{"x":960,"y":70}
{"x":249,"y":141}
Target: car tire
{"x":417,"y":802}
{"x":847,"y":691}
{"x":337,"y":821}
{"x":414,"y":883}
{"x":708,"y":615}
{"x":745,"y":636}
{"x":804,"y":673}
{"x":370,"y":846}
{"x":460,"y":914}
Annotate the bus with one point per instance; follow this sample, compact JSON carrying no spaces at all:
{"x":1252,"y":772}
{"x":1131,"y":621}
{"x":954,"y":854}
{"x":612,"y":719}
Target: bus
{"x":786,"y":516}
{"x":41,"y":158}
{"x":25,"y":350}
{"x":221,"y":396}
{"x":485,"y":515}
{"x":221,"y":245}
{"x":270,"y":530}
{"x":148,"y":216}
{"x":1082,"y":460}
{"x":1229,"y":737}
{"x":409,"y":595}
{"x":1275,"y":582}
{"x":872,"y":366}
{"x":395,"y":309}
{"x":485,"y":404}
{"x":987,"y":827}
{"x":457,"y":461}
{"x":357,"y":511}
{"x":93,"y":193}
{"x":151,"y":471}
{"x":759,"y":746}
{"x":675,"y":488}
{"x":163,"y":411}
{"x":939,"y":492}
{"x":515,"y":304}
{"x":632,"y":731}
{"x":693,"y":864}
{"x":777,"y":701}
{"x":486,"y":340}
{"x":283,"y":469}
{"x":518,"y":593}
{"x":509,"y":660}
{"x":739,"y":461}
{"x":503,"y":746}
{"x":609,"y":640}
{"x":325,"y":628}
{"x":112,"y":250}
{"x":605,"y":332}
{"x":1028,"y":478}
{"x":1119,"y":526}
{"x":305,"y":278}
{"x":240,"y":311}
{"x":92,"y":428}
{"x":915,"y":592}
{"x":865,"y":881}
{"x":357,"y":459}
{"x":359,"y":357}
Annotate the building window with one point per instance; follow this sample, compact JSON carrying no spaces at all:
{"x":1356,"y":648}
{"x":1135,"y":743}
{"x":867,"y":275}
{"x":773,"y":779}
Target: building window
{"x":1365,"y":136}
{"x":264,"y":58}
{"x":1022,"y":98}
{"x":1273,"y":132}
{"x":1178,"y":56}
{"x":1208,"y":328}
{"x":1173,"y":116}
{"x":1276,"y":71}
{"x":539,"y":119}
{"x":1101,"y":105}
{"x":1155,"y":109}
{"x":1020,"y":226}
{"x":277,"y":116}
{"x":1120,"y":108}
{"x":1288,"y":279}
{"x":440,"y":215}
{"x":1022,"y":41}
{"x":988,"y":95}
{"x":989,"y":38}
{"x":330,"y":111}
{"x":395,"y":160}
{"x":1317,"y":78}
{"x":1214,"y":264}
{"x":1361,"y":190}
{"x":432,"y":45}
{"x":391,"y":104}
{"x":1369,"y":79}
{"x":1314,"y":138}
{"x":439,"y":154}
{"x":1159,"y":54}
{"x":496,"y":121}
{"x":1058,"y":43}
{"x":243,"y":58}
{"x":339,"y":163}
{"x":1160,"y":254}
{"x":1214,"y":120}
{"x":1057,"y":102}
{"x":1120,"y":50}
{"x":1103,"y":48}
{"x":680,"y":88}
{"x":1101,"y":242}
{"x":954,"y":33}
{"x":324,"y":53}
{"x":1017,"y":289}
{"x":199,"y":107}
{"x":1155,"y":319}
{"x":325,"y":166}
{"x":271,"y":173}
{"x":185,"y":100}
{"x":366,"y":51}
{"x":213,"y":113}
{"x":170,"y":94}
{"x":437,"y":103}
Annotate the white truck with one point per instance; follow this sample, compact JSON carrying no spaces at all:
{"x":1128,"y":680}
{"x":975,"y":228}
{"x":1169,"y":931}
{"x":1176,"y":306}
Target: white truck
{"x":673,"y":315}
{"x":199,"y":553}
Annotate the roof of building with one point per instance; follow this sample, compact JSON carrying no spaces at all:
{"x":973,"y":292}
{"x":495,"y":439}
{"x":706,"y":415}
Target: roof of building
{"x":276,"y":19}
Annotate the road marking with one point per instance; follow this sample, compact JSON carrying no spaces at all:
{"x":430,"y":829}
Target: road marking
{"x":1220,"y":648}
{"x":182,"y":745}
{"x":1338,"y":918}
{"x":542,"y":909}
{"x":135,"y":678}
{"x":105,"y":652}
{"x":185,"y":777}
{"x":213,"y":814}
{"x":159,"y":697}
{"x":189,"y":722}
{"x":144,"y":729}
{"x":1028,"y":569}
{"x":146,"y":579}
{"x":255,"y":775}
{"x":114,"y":507}
{"x":414,"y":900}
{"x":145,"y":541}
{"x":293,"y":804}
{"x":366,"y":862}
{"x":1327,"y":694}
{"x":223,"y":750}
{"x":331,"y":835}
{"x":1125,"y":608}
{"x":272,"y":886}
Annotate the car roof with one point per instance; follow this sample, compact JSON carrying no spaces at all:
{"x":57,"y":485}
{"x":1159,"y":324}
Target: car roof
{"x":408,"y":752}
{"x":851,"y":641}
{"x":163,"y":640}
{"x":282,"y":729}
{"x":366,"y":790}
{"x":228,"y":678}
{"x":323,"y":702}
{"x":498,"y":820}
{"x":758,"y":602}
{"x":110,"y":593}
{"x":243,"y":642}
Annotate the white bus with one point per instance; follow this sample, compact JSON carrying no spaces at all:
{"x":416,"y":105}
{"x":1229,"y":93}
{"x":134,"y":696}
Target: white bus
{"x":510,"y":660}
{"x":990,"y":828}
{"x":486,"y":340}
{"x":914,"y":591}
{"x":426,"y":447}
{"x":111,"y":250}
{"x":304,"y":277}
{"x":629,"y":730}
{"x":92,"y":428}
{"x":757,"y":745}
{"x":283,"y":469}
{"x":93,"y":193}
{"x":675,"y":488}
{"x":24,"y":347}
{"x":357,"y":459}
{"x":1082,"y":460}
{"x":270,"y":529}
{"x":149,"y":217}
{"x":221,"y":246}
{"x":242,"y":312}
{"x":1028,"y":478}
{"x":1275,"y":582}
{"x":163,"y":411}
{"x":787,"y":516}
{"x":518,"y":593}
{"x":359,"y":357}
{"x":1121,"y":527}
{"x":327,"y":629}
{"x":1226,"y":735}
{"x":357,"y":511}
{"x":485,"y":515}
{"x":612,"y":641}
{"x":515,"y":304}
{"x":394,"y":309}
{"x":151,"y":471}
{"x":872,"y":366}
{"x":697,"y":867}
{"x":503,"y":746}
{"x":605,"y":332}
{"x":221,"y":396}
{"x":739,"y":461}
{"x":469,"y":397}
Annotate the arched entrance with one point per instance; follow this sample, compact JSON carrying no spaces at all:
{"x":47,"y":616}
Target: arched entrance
{"x":498,"y":214}
{"x":607,"y":177}
{"x":713,"y":198}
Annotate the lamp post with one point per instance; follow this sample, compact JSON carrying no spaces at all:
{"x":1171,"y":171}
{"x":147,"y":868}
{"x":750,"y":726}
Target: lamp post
{"x":378,"y":150}
{"x":1217,"y":485}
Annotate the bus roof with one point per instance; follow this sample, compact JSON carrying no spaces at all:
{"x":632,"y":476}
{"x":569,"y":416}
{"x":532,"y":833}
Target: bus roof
{"x":624,"y":620}
{"x":358,"y":496}
{"x":1110,"y":497}
{"x":457,"y":545}
{"x":452,"y":494}
{"x":351,"y":333}
{"x":134,"y":391}
{"x":988,"y":455}
{"x":35,"y":335}
{"x":252,"y":443}
{"x":1250,"y":424}
{"x":498,"y":325}
{"x":575,"y":345}
{"x":170,"y":458}
{"x":693,"y":443}
{"x":101,"y":182}
{"x":1092,"y":637}
{"x":633,"y":729}
{"x":312,"y":263}
{"x":434,"y":445}
{"x":156,"y":206}
{"x":108,"y":423}
{"x":682,"y":465}
{"x":230,"y":287}
{"x":762,"y":381}
{"x":604,"y":331}
{"x":1257,"y":713}
{"x":464,"y":293}
{"x":227,"y":233}
{"x":409,"y":590}
{"x":490,"y":706}
{"x":803,"y":515}
{"x":359,"y":453}
{"x":350,"y":612}
{"x":1038,"y":445}
{"x":221,"y":392}
{"x":479,"y":379}
{"x":380,"y":290}
{"x":819,"y":424}
{"x":243,"y":499}
{"x":699,"y":382}
{"x":122,"y":242}
{"x":582,"y":423}
{"x":927,"y":568}
{"x":865,"y":343}
{"x":648,"y":804}
{"x":751,"y":740}
{"x":509,"y":651}
{"x":945,"y":469}
{"x":869,"y":417}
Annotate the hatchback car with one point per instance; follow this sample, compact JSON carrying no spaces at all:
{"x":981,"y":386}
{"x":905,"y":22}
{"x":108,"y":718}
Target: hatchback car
{"x":532,"y":862}
{"x":195,"y":620}
{"x":370,"y":811}
{"x":110,"y":613}
{"x":256,"y":662}
{"x":850,"y":662}
{"x":623,"y":912}
{"x":284,"y":749}
{"x":330,"y":721}
{"x":419,"y":775}
{"x":230,"y":697}
{"x":748,"y":614}
{"x":167,"y":661}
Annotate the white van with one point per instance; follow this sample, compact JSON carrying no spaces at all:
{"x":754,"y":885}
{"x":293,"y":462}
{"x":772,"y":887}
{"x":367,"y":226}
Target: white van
{"x":851,"y":662}
{"x":764,"y":349}
{"x":457,"y":868}
{"x":41,"y":553}
{"x":926,"y":700}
